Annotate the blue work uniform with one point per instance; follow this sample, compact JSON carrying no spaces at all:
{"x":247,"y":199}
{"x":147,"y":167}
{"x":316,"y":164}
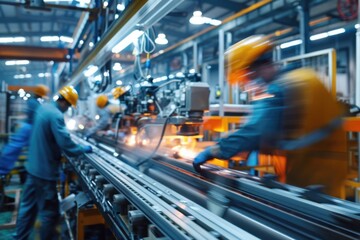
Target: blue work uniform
{"x":50,"y":137}
{"x":11,"y":151}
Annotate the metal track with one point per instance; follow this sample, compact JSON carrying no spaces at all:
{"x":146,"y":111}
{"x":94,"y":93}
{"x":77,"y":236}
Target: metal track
{"x":265,"y":209}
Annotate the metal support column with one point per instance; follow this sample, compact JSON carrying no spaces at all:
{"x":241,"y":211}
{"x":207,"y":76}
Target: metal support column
{"x":221,"y":71}
{"x":195,"y":56}
{"x":303,"y":9}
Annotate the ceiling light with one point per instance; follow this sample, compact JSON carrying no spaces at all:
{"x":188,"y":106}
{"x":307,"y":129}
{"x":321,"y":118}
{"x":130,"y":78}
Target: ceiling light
{"x":291,"y":43}
{"x":215,"y":22}
{"x":117,"y":67}
{"x":91,"y":44}
{"x":127,"y":41}
{"x":336,"y":31}
{"x":192,"y":71}
{"x":12,"y":39}
{"x":17,"y":62}
{"x":66,"y":39}
{"x":49,"y":38}
{"x":161,"y":39}
{"x":105,"y":4}
{"x":197,"y":18}
{"x":116,"y":16}
{"x":41,"y":75}
{"x":120,"y":7}
{"x":22,"y":76}
{"x":318,"y":36}
{"x":357,"y":26}
{"x":119,"y":82}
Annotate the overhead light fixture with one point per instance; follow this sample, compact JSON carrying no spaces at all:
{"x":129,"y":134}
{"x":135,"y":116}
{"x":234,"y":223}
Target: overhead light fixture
{"x":22,"y":76}
{"x":198,"y":19}
{"x":357,"y":26}
{"x":336,"y":31}
{"x":105,"y":4}
{"x":119,"y":82}
{"x":127,"y":41}
{"x":117,"y":67}
{"x":12,"y":39}
{"x":291,"y":43}
{"x":161,"y":39}
{"x":318,"y":36}
{"x":66,"y":39}
{"x":17,"y":62}
{"x":215,"y":22}
{"x":327,"y":34}
{"x":120,"y":7}
{"x":41,"y":75}
{"x":49,"y":38}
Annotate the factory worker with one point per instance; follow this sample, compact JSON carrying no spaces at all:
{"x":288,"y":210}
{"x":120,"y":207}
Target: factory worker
{"x":295,"y":117}
{"x":49,"y":139}
{"x":11,"y":152}
{"x":105,"y":116}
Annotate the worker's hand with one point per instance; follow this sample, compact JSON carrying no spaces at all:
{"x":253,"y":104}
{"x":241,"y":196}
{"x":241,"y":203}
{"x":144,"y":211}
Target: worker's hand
{"x":201,"y":158}
{"x":87,"y":149}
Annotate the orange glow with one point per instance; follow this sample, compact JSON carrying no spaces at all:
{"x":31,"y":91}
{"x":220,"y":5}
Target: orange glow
{"x":131,"y":140}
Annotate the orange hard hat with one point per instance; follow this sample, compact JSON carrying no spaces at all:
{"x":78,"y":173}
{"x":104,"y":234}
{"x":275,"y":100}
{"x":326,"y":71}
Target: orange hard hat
{"x":240,"y":56}
{"x":41,"y":90}
{"x":70,"y":95}
{"x":101,"y":101}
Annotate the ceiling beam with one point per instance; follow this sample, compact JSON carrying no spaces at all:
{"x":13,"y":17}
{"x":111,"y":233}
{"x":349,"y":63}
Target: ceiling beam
{"x":230,"y":5}
{"x":35,"y":19}
{"x":34,"y":53}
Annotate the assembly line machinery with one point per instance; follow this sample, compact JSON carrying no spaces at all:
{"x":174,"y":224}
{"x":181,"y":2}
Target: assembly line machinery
{"x":157,"y":196}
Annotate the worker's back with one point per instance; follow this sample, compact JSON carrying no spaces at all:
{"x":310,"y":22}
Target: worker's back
{"x":315,"y":142}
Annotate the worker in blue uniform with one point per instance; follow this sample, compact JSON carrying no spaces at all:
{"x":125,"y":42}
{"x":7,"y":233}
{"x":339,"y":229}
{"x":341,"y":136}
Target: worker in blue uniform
{"x":11,"y":152}
{"x":105,"y":116}
{"x":50,"y":137}
{"x":294,"y":112}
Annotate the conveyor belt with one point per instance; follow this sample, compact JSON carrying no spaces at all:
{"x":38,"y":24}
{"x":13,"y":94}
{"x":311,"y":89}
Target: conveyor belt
{"x":265,"y":209}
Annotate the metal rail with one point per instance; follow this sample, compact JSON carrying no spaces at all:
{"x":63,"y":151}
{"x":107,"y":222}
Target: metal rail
{"x":261,"y":208}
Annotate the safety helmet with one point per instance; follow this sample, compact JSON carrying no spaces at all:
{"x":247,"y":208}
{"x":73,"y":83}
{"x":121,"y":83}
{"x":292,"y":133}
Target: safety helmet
{"x":245,"y":53}
{"x":118,"y":92}
{"x":70,"y":95}
{"x":101,"y":101}
{"x":41,"y":90}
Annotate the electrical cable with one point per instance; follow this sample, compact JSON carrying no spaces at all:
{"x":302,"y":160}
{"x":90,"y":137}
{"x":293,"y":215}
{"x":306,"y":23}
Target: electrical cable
{"x":151,"y":155}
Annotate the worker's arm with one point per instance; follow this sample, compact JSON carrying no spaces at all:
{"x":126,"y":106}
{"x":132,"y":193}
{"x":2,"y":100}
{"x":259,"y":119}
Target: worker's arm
{"x":261,"y":131}
{"x":63,"y":138}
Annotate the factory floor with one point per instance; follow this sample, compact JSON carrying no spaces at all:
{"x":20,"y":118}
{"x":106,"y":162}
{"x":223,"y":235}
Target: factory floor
{"x":8,"y":222}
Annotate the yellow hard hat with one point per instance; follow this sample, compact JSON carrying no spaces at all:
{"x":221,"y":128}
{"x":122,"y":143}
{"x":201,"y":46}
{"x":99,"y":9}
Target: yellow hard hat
{"x":118,"y":91}
{"x":243,"y":54}
{"x":41,"y":90}
{"x":101,"y":101}
{"x":70,"y":95}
